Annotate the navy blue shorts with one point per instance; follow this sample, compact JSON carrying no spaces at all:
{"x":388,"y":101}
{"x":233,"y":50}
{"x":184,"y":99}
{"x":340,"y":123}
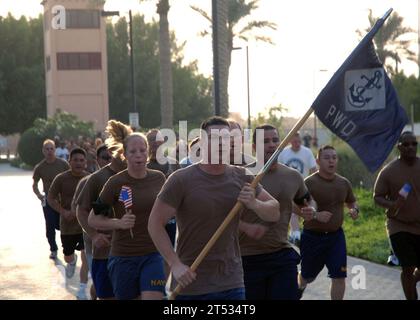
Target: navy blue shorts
{"x":232,"y":294}
{"x":101,"y":279}
{"x":72,"y":242}
{"x":271,"y":276}
{"x":323,"y":249}
{"x":132,"y":275}
{"x":406,"y":247}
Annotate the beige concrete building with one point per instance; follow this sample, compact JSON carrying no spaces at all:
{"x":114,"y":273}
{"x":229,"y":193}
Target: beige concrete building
{"x":76,"y":59}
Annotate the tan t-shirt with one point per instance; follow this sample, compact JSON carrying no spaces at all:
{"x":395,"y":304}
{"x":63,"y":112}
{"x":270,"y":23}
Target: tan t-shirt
{"x":285,"y":185}
{"x":87,"y":240}
{"x":144,"y":193}
{"x":90,"y":194}
{"x":78,"y":191}
{"x":202,"y":202}
{"x":63,"y":188}
{"x":48,"y":171}
{"x":389,"y":182}
{"x":330,"y":195}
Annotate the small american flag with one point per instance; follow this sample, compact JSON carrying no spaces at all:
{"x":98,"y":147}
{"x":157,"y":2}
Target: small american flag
{"x":126,"y":196}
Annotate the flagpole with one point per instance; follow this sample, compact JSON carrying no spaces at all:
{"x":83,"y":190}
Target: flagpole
{"x":387,"y":14}
{"x":238,"y":206}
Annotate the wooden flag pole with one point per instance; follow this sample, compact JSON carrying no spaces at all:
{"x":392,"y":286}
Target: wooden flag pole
{"x":238,"y":206}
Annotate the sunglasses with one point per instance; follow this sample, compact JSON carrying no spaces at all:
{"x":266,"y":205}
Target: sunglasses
{"x":106,"y":158}
{"x":407,"y":144}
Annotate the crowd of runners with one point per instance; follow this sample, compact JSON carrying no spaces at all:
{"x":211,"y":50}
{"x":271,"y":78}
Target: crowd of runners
{"x":139,"y":223}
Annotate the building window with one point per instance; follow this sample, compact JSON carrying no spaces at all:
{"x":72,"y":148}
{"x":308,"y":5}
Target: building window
{"x":79,"y":61}
{"x":82,"y":19}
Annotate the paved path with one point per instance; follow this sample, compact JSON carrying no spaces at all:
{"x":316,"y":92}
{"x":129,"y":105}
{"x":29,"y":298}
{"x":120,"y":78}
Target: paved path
{"x":382,"y":283}
{"x":27,"y":273}
{"x":25,"y":270}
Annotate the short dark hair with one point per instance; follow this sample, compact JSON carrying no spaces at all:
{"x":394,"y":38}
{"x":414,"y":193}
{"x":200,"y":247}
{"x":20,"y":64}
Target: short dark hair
{"x":232,"y":123}
{"x":265,"y":127}
{"x":405,"y":133}
{"x":214,"y":121}
{"x":77,"y":151}
{"x":100,"y":149}
{"x":323,"y":148}
{"x":150,"y":133}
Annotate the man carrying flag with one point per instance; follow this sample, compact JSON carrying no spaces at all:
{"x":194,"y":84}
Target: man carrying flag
{"x":200,"y":197}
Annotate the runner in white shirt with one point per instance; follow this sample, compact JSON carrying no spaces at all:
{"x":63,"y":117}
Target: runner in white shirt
{"x":62,"y":152}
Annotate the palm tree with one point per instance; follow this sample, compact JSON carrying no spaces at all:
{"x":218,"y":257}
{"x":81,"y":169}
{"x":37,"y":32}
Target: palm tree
{"x":166,"y":85}
{"x":165,"y":68}
{"x":388,"y":40}
{"x":238,"y":27}
{"x":222,"y":8}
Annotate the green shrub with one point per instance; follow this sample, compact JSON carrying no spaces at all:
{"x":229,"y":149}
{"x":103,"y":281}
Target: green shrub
{"x":30,"y":146}
{"x":62,"y":124}
{"x":351,"y":167}
{"x":366,"y":237}
{"x":18,"y":163}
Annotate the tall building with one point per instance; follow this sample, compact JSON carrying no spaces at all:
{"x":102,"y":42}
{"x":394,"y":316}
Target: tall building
{"x":76,"y":59}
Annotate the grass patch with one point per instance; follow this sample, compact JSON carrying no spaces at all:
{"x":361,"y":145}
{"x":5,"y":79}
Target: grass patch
{"x":366,"y":237}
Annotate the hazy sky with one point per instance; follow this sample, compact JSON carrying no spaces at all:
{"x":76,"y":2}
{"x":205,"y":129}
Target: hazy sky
{"x":311,"y":36}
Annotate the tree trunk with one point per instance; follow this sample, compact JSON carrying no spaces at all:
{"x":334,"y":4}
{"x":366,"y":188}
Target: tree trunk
{"x":166,"y":86}
{"x":224,"y":61}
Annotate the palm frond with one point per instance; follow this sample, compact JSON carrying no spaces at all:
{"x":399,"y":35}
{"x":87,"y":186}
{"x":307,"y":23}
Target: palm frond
{"x":258,"y":25}
{"x":203,"y":13}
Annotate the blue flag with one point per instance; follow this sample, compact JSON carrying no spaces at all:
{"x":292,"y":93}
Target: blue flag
{"x":359,"y":104}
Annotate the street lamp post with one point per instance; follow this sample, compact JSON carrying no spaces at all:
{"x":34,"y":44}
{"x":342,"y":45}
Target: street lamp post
{"x":216,"y":65}
{"x":247,"y":86}
{"x":133,"y":87}
{"x":315,"y":138}
{"x":133,"y":90}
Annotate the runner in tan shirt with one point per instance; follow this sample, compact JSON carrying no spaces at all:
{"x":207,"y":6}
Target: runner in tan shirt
{"x":103,"y":158}
{"x":101,"y":240}
{"x":397,"y":189}
{"x":200,"y":197}
{"x":60,"y":197}
{"x":323,"y":241}
{"x":269,"y":260}
{"x":135,"y":267}
{"x":46,"y":171}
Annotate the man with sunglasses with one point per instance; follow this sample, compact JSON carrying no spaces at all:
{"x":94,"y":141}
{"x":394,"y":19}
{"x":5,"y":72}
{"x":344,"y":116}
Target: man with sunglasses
{"x":397,"y":189}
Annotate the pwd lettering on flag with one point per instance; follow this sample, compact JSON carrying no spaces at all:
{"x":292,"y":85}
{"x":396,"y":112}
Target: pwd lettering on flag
{"x":340,"y":122}
{"x":126,"y":196}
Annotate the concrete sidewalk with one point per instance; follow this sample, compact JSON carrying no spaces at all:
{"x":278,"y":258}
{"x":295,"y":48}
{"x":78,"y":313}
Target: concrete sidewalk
{"x":382,"y":283}
{"x":26,"y":272}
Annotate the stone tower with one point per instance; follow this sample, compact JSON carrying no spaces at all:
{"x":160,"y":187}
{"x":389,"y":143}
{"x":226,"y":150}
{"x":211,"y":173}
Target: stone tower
{"x":76,"y":59}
